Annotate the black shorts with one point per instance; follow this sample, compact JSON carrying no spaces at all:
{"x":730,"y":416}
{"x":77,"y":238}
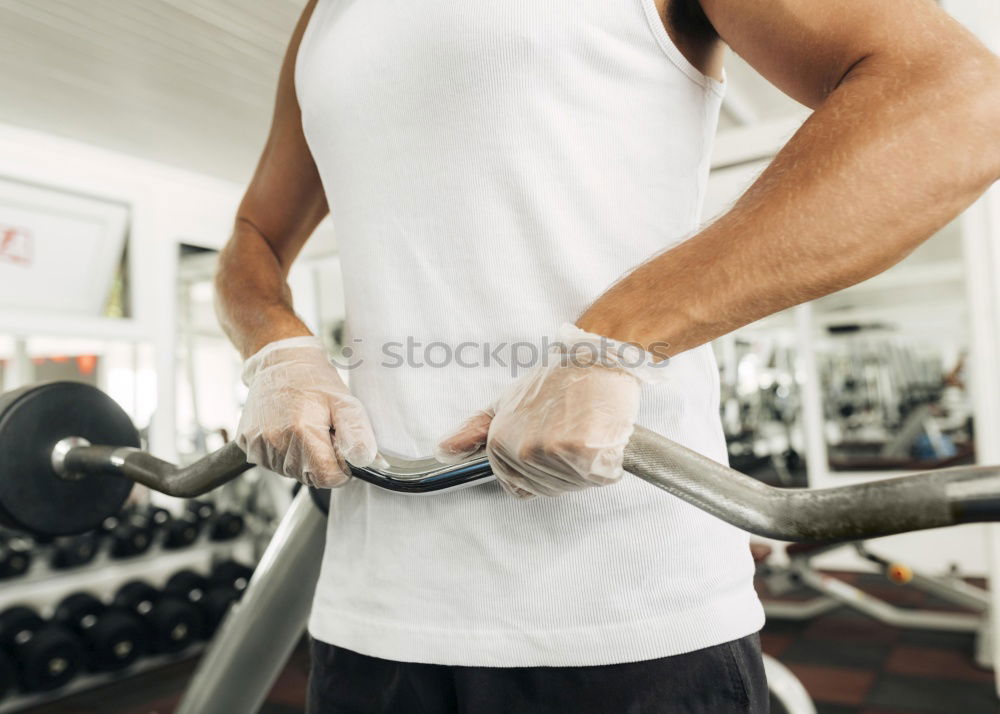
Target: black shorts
{"x":724,"y":679}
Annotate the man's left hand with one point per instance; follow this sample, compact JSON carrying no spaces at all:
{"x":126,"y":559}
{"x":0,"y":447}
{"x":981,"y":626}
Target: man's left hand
{"x":561,"y":427}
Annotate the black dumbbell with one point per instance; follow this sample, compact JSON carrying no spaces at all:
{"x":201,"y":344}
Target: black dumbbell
{"x":211,"y":597}
{"x":231,"y":573}
{"x":171,"y":623}
{"x":132,"y":535}
{"x":46,"y":654}
{"x":113,"y":637}
{"x":15,"y":556}
{"x":111,"y":522}
{"x":225,"y":526}
{"x":156,"y":517}
{"x":187,"y":585}
{"x":201,"y":510}
{"x":153,"y":518}
{"x":74,"y":551}
{"x":7,"y":677}
{"x":215,"y":604}
{"x":181,"y":531}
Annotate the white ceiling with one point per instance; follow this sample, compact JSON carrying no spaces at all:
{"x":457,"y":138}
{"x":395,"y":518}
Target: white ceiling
{"x":185,"y":82}
{"x":188,"y":83}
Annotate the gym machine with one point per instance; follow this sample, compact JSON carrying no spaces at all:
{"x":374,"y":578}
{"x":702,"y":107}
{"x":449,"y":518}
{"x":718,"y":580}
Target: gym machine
{"x":69,"y":457}
{"x":832,"y":592}
{"x":890,"y":406}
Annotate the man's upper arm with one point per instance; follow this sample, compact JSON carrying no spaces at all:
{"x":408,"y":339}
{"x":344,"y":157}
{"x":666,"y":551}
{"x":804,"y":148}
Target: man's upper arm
{"x":284,"y":201}
{"x":807,"y":47}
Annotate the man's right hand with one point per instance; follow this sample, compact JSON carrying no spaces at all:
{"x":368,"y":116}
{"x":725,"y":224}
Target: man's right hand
{"x":300,"y":419}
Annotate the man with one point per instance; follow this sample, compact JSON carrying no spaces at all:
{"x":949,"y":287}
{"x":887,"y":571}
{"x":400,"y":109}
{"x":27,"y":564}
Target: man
{"x":493,"y":170}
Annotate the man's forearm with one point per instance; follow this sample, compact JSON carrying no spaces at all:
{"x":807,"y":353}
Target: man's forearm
{"x":253,"y":300}
{"x":892,"y":155}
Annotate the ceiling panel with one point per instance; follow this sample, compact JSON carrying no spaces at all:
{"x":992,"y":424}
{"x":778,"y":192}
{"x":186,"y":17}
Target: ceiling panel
{"x":186,"y":82}
{"x":189,"y":83}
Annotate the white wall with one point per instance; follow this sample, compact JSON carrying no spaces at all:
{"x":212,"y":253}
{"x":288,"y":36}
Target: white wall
{"x":168,"y":206}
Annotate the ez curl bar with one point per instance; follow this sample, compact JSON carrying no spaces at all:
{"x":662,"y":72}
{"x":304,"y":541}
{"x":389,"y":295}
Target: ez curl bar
{"x":69,"y":457}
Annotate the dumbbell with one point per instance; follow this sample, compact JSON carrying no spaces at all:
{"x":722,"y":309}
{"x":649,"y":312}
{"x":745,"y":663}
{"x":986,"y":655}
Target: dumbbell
{"x":46,"y":654}
{"x":181,"y":531}
{"x":132,"y":534}
{"x":171,"y":623}
{"x":232,"y":573}
{"x":216,"y":604}
{"x":211,"y":598}
{"x":113,"y":637}
{"x":138,"y":528}
{"x":7,"y":677}
{"x":225,"y":526}
{"x":201,"y":510}
{"x":74,"y":551}
{"x":156,"y":516}
{"x":188,"y":585}
{"x":15,"y":556}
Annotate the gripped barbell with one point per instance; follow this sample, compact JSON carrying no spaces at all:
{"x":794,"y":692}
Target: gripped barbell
{"x":69,"y":455}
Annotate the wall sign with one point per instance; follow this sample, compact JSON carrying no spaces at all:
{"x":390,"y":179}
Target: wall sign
{"x":15,"y":245}
{"x":59,"y":252}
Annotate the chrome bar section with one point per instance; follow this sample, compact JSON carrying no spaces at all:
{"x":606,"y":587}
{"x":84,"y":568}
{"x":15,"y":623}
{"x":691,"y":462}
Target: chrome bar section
{"x":58,"y":458}
{"x":931,"y":499}
{"x":424,"y":476}
{"x":240,"y":665}
{"x":196,"y":479}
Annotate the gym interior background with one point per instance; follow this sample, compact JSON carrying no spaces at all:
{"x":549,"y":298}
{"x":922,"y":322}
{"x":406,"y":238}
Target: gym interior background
{"x":128,"y":131}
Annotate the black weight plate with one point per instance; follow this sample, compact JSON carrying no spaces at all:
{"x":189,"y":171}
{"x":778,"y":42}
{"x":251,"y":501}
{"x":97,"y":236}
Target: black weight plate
{"x":33,"y":497}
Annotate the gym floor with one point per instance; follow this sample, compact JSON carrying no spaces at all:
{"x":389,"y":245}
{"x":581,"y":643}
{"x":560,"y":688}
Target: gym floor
{"x":850,"y":664}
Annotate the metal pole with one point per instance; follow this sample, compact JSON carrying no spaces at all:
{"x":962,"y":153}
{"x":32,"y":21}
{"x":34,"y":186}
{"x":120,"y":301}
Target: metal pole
{"x":237,"y":670}
{"x":787,"y":688}
{"x":21,"y":372}
{"x":817,"y":461}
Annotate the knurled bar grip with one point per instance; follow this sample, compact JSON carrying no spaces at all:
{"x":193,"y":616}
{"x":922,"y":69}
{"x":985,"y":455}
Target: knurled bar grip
{"x":931,"y":499}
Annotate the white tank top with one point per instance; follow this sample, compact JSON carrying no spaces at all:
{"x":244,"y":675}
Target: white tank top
{"x":491,"y":169}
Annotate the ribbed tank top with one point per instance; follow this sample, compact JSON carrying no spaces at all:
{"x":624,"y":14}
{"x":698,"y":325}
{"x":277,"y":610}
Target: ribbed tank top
{"x":491,"y":169}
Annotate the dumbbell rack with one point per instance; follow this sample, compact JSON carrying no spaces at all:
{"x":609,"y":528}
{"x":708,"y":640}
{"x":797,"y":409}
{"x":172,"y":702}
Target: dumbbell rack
{"x":42,"y":588}
{"x":89,"y":680}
